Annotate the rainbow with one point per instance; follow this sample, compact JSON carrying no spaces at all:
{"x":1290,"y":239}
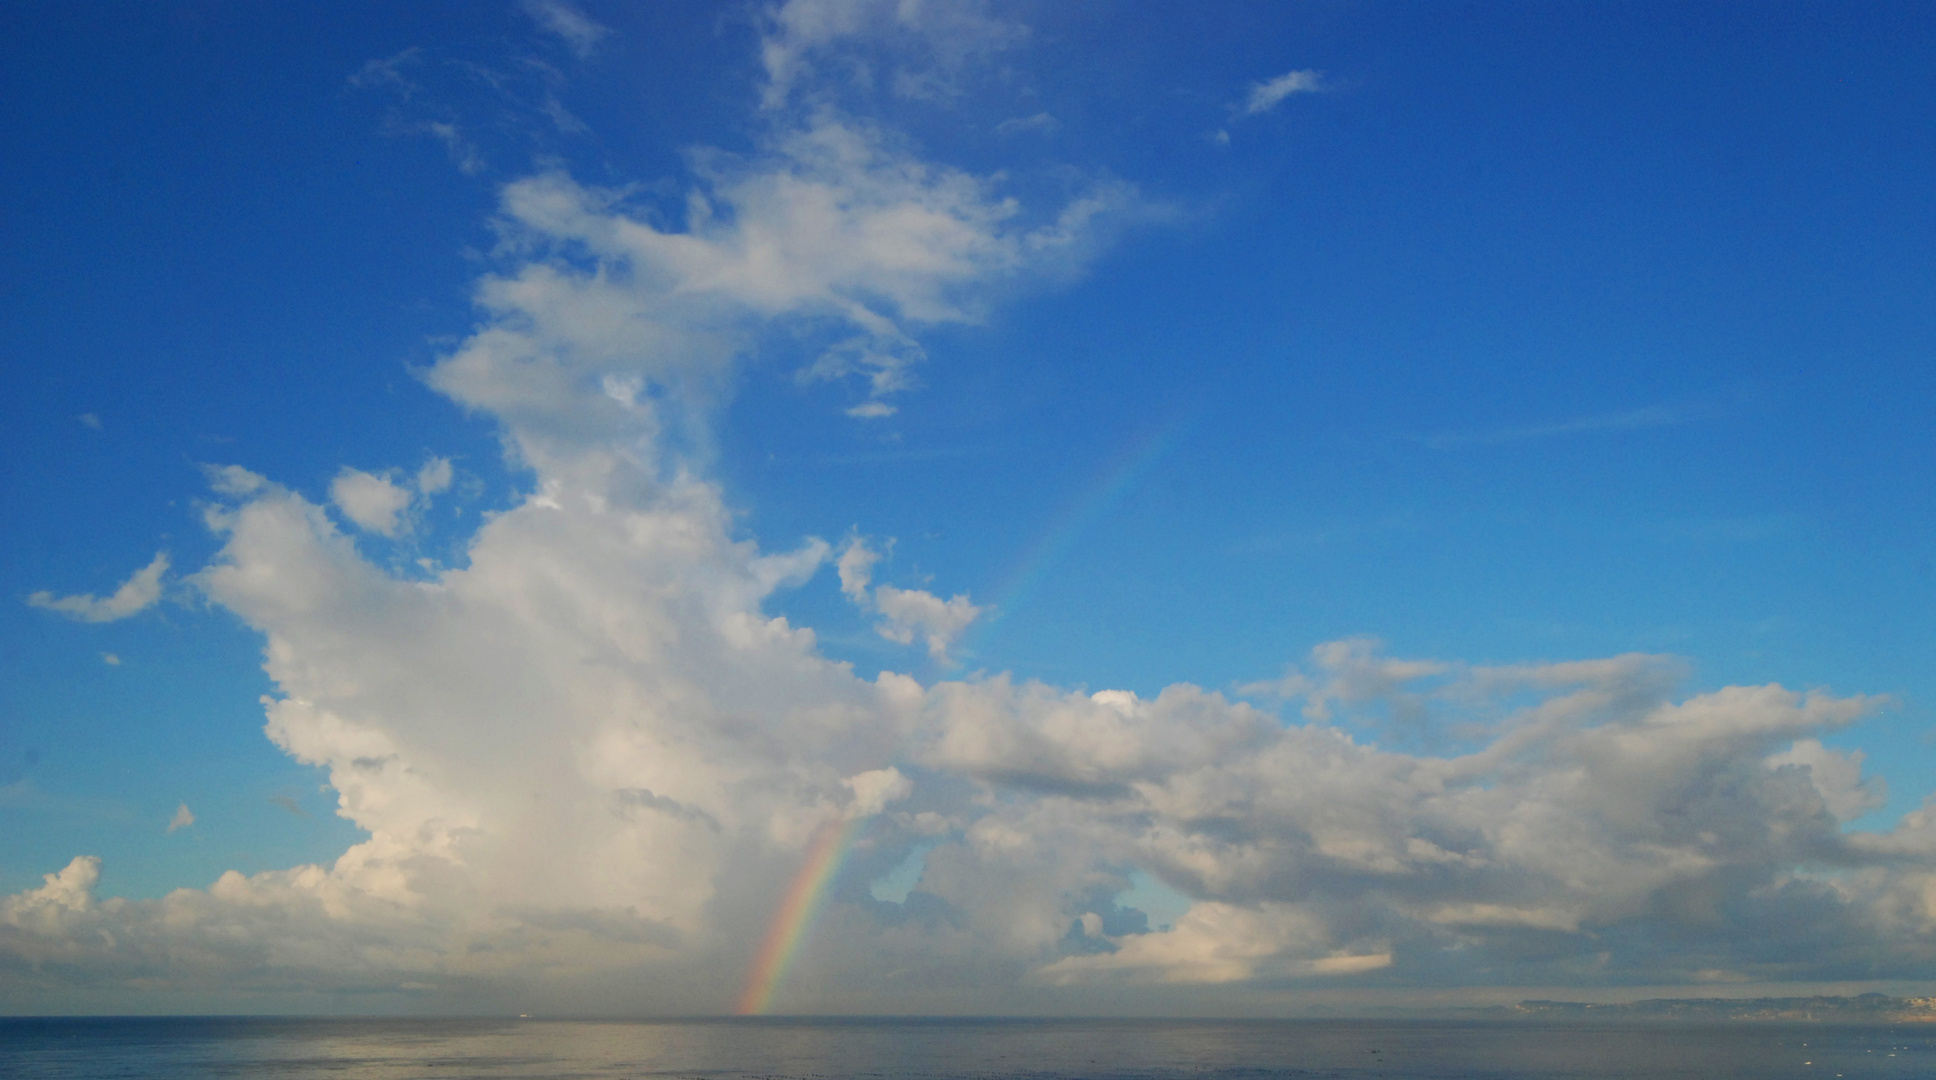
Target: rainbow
{"x":804,"y":898}
{"x":1115,"y":480}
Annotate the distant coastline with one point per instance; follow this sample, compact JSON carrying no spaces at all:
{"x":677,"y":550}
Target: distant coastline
{"x":1863,"y":1009}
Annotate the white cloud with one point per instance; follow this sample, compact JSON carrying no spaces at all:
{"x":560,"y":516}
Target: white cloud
{"x":857,"y":569}
{"x":908,"y":613}
{"x":233,"y":480}
{"x":875,"y":788}
{"x":905,"y":613}
{"x":435,"y":476}
{"x":110,"y":659}
{"x":90,"y":420}
{"x":184,"y":817}
{"x":373,"y":502}
{"x":72,"y":889}
{"x":578,"y":31}
{"x":137,"y":594}
{"x":689,"y":742}
{"x":834,"y":230}
{"x":1270,"y":93}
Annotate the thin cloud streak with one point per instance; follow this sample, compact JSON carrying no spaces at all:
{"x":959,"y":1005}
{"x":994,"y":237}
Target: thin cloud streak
{"x":136,"y":595}
{"x":1652,"y":416}
{"x":1270,"y":93}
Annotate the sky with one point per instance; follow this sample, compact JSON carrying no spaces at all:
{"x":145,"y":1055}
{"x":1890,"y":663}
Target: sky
{"x":881,"y":506}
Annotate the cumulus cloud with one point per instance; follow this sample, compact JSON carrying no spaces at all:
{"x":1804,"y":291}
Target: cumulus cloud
{"x":136,"y":595}
{"x":589,"y":749}
{"x":590,"y":761}
{"x":1603,"y":833}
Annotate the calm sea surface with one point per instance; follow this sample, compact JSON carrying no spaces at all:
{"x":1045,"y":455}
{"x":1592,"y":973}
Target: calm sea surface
{"x":888,"y":1049}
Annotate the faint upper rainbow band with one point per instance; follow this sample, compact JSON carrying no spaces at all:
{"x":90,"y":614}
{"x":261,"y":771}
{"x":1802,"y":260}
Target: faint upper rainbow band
{"x":1125,"y":471}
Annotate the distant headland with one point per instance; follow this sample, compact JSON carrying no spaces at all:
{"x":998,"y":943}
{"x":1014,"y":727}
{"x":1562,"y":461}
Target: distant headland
{"x":1863,"y":1009}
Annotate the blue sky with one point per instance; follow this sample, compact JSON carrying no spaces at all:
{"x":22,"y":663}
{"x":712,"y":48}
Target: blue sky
{"x":1171,"y":346}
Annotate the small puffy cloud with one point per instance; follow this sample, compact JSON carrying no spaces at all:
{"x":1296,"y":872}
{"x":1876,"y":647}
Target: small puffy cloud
{"x":110,"y":659}
{"x":580,"y":32}
{"x":373,"y":502}
{"x":137,"y":594}
{"x":874,"y":789}
{"x":435,"y":476}
{"x":233,"y":480}
{"x":1270,"y":93}
{"x":184,"y":817}
{"x":905,"y":613}
{"x":90,"y":420}
{"x":856,"y":568}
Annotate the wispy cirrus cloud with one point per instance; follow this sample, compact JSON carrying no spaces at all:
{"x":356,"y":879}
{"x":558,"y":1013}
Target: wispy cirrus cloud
{"x":1270,"y":93}
{"x":1651,"y":416}
{"x":1041,"y":123}
{"x":580,"y":32}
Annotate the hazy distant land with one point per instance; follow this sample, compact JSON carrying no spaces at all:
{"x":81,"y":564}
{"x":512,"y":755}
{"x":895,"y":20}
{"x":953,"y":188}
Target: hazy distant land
{"x":1865,"y":1009}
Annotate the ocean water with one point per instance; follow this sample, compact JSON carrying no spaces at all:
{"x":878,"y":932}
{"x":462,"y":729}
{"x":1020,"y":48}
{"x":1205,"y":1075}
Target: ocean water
{"x":340,"y":1049}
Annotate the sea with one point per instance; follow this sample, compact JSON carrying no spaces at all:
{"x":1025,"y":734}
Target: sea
{"x":820,"y":1049}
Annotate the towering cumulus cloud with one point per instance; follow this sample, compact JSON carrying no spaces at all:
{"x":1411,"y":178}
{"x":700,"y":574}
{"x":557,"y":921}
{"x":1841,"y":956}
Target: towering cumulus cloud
{"x":591,"y":765}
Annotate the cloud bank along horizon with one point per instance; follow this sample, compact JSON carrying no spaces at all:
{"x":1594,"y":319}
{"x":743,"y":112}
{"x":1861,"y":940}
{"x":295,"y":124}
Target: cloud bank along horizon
{"x":595,"y":772}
